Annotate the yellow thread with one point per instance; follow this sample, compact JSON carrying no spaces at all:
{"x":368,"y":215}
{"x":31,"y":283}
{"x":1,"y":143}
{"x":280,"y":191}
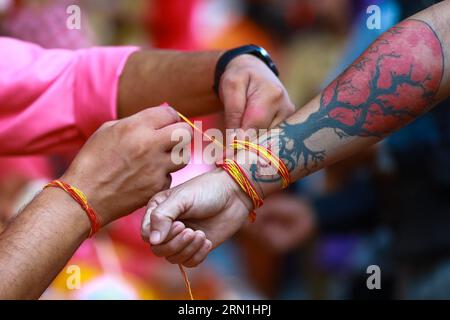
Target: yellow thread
{"x":76,"y":190}
{"x":189,"y":122}
{"x":243,"y":182}
{"x":269,"y":156}
{"x":186,"y":281}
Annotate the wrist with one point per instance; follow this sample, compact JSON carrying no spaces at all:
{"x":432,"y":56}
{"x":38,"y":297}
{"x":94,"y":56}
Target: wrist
{"x":265,"y":185}
{"x":245,"y":60}
{"x":231,"y":56}
{"x":93,"y":193}
{"x":65,"y":213}
{"x":231,"y":186}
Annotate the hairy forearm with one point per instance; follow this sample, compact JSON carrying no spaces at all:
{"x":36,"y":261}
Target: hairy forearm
{"x":398,"y":78}
{"x":38,"y":243}
{"x":182,"y":79}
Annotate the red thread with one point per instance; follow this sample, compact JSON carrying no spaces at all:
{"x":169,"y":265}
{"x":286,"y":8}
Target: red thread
{"x":79,"y":197}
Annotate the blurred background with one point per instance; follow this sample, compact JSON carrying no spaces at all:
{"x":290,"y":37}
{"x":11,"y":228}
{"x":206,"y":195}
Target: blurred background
{"x":387,"y":206}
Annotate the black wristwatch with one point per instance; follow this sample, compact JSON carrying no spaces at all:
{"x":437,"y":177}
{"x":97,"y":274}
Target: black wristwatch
{"x":229,"y":55}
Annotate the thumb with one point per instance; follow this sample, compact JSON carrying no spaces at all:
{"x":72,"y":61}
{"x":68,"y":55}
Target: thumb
{"x":162,"y":217}
{"x":145,"y":226}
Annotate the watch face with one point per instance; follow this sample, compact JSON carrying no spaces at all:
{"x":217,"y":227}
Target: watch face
{"x":263,"y":51}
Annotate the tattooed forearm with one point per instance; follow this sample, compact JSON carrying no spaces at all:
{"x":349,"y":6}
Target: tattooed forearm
{"x":392,"y":82}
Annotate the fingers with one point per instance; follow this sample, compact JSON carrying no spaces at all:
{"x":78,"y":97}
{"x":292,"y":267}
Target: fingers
{"x":152,"y":204}
{"x":177,"y":228}
{"x":252,"y":95}
{"x":175,"y":140}
{"x":177,"y":134}
{"x":157,"y":117}
{"x":176,"y":244}
{"x":268,"y":104}
{"x":187,"y":247}
{"x":256,"y":104}
{"x":259,"y":114}
{"x":284,"y":112}
{"x":200,"y":255}
{"x":163,"y":215}
{"x":233,"y":94}
{"x":189,"y":250}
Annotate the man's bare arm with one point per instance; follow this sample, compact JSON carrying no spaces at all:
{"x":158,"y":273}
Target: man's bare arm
{"x":251,"y":96}
{"x":120,"y":167}
{"x":398,"y":78}
{"x":38,"y":244}
{"x":180,"y":78}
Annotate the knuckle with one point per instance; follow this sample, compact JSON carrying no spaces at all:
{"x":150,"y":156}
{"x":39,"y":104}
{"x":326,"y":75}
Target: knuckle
{"x":172,"y":260}
{"x":137,"y":150}
{"x":106,"y":124}
{"x":290,"y":107}
{"x":124,"y":128}
{"x":157,"y":216}
{"x":277,"y":92}
{"x":140,"y":141}
{"x":230,"y":80}
{"x":151,"y":113}
{"x":168,"y":112}
{"x":182,"y":131}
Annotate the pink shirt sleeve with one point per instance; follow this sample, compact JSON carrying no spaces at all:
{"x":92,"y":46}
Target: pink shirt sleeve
{"x":52,"y":100}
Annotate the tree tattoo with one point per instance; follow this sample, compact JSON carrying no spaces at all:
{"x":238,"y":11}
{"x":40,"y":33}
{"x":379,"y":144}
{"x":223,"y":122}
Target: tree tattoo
{"x":391,"y":83}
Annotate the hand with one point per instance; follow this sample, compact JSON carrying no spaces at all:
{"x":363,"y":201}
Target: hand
{"x":125,"y":162}
{"x":284,"y":222}
{"x":213,"y":204}
{"x":252,"y":95}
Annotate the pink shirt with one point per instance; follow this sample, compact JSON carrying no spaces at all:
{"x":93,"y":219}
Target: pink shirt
{"x":52,"y":100}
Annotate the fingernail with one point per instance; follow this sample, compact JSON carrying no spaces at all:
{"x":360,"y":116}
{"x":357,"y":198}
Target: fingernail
{"x":165,"y":104}
{"x":155,"y":237}
{"x":187,"y":235}
{"x":177,"y":224}
{"x":173,"y":112}
{"x":201,"y":234}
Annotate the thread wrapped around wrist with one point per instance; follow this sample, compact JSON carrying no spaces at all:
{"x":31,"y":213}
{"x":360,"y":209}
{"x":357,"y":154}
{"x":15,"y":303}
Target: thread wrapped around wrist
{"x":269,"y":156}
{"x":240,"y":177}
{"x":81,"y":198}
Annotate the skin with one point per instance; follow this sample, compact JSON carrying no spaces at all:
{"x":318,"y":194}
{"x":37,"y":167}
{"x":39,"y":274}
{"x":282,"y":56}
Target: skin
{"x":124,"y":163}
{"x":251,"y":96}
{"x":398,"y":78}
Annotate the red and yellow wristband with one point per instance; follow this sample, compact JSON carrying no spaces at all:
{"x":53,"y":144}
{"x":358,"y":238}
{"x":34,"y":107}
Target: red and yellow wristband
{"x":240,"y":177}
{"x":81,"y":198}
{"x":269,"y":156}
